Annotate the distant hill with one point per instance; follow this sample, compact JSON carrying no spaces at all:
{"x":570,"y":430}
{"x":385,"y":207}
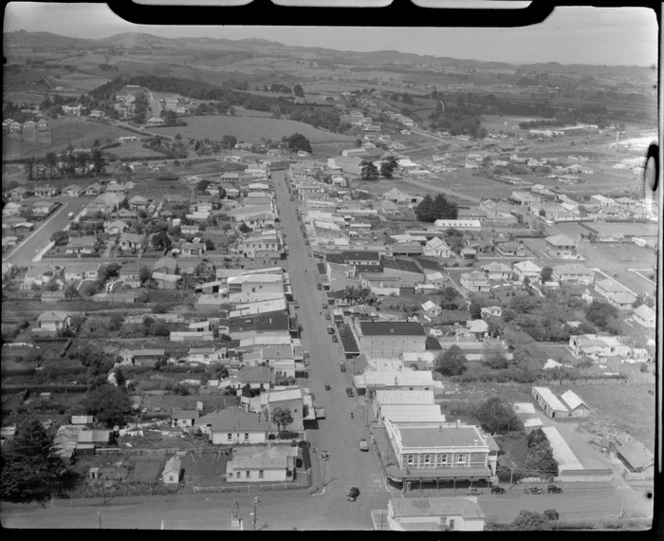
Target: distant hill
{"x":45,"y":40}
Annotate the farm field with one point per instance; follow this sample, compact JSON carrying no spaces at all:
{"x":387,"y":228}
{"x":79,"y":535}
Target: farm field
{"x":133,"y":151}
{"x":249,"y":130}
{"x":78,"y":131}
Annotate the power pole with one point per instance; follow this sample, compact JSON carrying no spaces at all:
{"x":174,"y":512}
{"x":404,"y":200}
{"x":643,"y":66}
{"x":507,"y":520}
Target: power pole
{"x":99,"y":516}
{"x":255,"y":505}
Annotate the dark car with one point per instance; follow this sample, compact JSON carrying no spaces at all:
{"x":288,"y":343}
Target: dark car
{"x":497,"y":490}
{"x":319,"y":287}
{"x":553,"y":489}
{"x":349,"y":391}
{"x":474,"y":491}
{"x":327,"y":387}
{"x":327,"y":315}
{"x":330,"y":330}
{"x":551,"y":514}
{"x":353,"y":493}
{"x":335,"y":339}
{"x":533,"y":490}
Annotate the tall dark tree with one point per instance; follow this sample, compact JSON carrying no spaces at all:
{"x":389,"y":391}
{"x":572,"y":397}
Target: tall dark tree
{"x":451,"y":362}
{"x":388,"y":166}
{"x":31,"y":470}
{"x":497,"y":416}
{"x":98,"y":161}
{"x":369,"y":170}
{"x":297,"y":142}
{"x":111,"y":406}
{"x":30,"y":168}
{"x":298,"y":91}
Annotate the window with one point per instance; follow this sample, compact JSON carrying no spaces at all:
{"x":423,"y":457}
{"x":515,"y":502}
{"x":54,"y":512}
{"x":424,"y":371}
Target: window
{"x":237,"y":475}
{"x":260,"y":474}
{"x":442,"y":459}
{"x":246,"y":436}
{"x":427,"y":459}
{"x":248,"y":474}
{"x":410,"y":460}
{"x":461,"y":459}
{"x":229,"y":436}
{"x":451,"y":524}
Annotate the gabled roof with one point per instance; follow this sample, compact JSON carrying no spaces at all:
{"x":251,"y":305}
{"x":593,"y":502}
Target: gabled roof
{"x":644,"y":312}
{"x":260,"y":457}
{"x":255,"y":374}
{"x":495,"y":266}
{"x":360,"y":255}
{"x":405,"y":265}
{"x":572,"y":400}
{"x":52,"y":316}
{"x":635,"y":453}
{"x":527,"y":266}
{"x":184,"y":414}
{"x":560,"y":240}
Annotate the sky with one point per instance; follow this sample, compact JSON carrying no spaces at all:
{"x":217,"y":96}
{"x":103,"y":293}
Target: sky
{"x":571,"y":35}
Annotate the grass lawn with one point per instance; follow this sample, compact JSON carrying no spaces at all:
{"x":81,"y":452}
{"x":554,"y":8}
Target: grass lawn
{"x":133,"y":151}
{"x":79,"y":131}
{"x":205,"y":470}
{"x":249,"y":129}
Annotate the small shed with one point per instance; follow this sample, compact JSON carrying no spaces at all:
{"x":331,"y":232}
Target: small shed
{"x":577,"y":407}
{"x":172,"y":471}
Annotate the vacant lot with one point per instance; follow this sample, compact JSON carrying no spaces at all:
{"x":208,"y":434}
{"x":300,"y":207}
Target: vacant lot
{"x":131,"y":151}
{"x":249,"y":129}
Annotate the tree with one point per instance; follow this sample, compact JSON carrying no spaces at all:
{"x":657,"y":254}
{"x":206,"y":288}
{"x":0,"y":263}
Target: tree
{"x":530,"y":520}
{"x":451,"y":362}
{"x":369,"y":170}
{"x":561,"y":373}
{"x":98,"y":161}
{"x":388,"y":166}
{"x":202,"y":185}
{"x":111,"y":406}
{"x":297,"y":142}
{"x":161,"y":241}
{"x":71,"y":292}
{"x":546,"y":274}
{"x":31,"y":471}
{"x":600,"y":313}
{"x":448,"y":298}
{"x":115,"y":322}
{"x":298,"y":91}
{"x":145,"y":274}
{"x":475,"y":309}
{"x":60,"y":237}
{"x":431,"y":209}
{"x":497,"y":416}
{"x":282,"y":417}
{"x":30,"y":168}
{"x":51,"y":160}
{"x":228,"y":141}
{"x":120,"y":378}
{"x":244,"y":228}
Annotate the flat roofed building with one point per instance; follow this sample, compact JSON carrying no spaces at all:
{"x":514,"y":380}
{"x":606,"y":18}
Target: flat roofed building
{"x":446,"y":513}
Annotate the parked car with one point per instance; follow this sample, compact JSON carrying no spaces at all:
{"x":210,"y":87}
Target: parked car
{"x":319,"y":287}
{"x":327,"y":315}
{"x":553,"y":489}
{"x":342,"y":365}
{"x":497,"y":490}
{"x":325,"y":455}
{"x":533,"y":490}
{"x":330,"y":330}
{"x":296,"y":304}
{"x":474,"y":491}
{"x":327,"y":387}
{"x":335,"y":339}
{"x":349,"y":391}
{"x":364,"y":446}
{"x":70,"y":215}
{"x":324,"y":306}
{"x":353,"y":493}
{"x":551,"y":514}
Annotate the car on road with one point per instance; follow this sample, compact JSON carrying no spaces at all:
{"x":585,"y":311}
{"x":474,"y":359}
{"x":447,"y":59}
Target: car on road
{"x":319,"y":287}
{"x":353,"y":493}
{"x":325,"y":455}
{"x":327,"y":387}
{"x":335,"y":339}
{"x":553,"y":489}
{"x":349,"y":392}
{"x":70,"y":215}
{"x":342,"y":366}
{"x":474,"y":491}
{"x":551,"y":514}
{"x":327,"y":315}
{"x":364,"y":446}
{"x":533,"y":490}
{"x":330,"y":330}
{"x":324,"y":306}
{"x":307,"y":355}
{"x":497,"y":490}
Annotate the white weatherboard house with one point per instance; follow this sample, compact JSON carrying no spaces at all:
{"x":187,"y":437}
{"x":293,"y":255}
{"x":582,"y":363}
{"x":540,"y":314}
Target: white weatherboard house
{"x":258,"y":464}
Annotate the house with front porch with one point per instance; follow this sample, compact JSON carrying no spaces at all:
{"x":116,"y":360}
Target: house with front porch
{"x":561,"y":247}
{"x":130,"y":242}
{"x":573,"y":273}
{"x":235,"y":426}
{"x":72,"y":190}
{"x":497,"y":271}
{"x":81,"y":245}
{"x":53,"y":321}
{"x":81,"y":271}
{"x":260,"y":464}
{"x":527,"y":269}
{"x":475,"y":281}
{"x":436,"y":247}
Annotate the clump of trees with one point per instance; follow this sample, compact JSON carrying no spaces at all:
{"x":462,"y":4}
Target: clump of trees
{"x":496,"y":416}
{"x":297,"y":142}
{"x":431,"y":209}
{"x":451,"y":362}
{"x":540,"y":454}
{"x":369,"y":170}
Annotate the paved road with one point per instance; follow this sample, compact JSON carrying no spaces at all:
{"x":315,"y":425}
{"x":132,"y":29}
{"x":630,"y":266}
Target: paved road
{"x":23,"y":254}
{"x":339,"y":434}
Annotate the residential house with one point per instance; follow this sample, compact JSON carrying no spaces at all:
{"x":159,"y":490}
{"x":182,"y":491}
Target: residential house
{"x":192,"y":249}
{"x":261,"y":464}
{"x":205,"y":355}
{"x":45,"y":191}
{"x":94,"y":189}
{"x":81,"y":245}
{"x":43,"y":208}
{"x":258,"y":377}
{"x":138,"y":202}
{"x":561,"y":247}
{"x":11,"y":209}
{"x":645,"y":316}
{"x":397,"y":196}
{"x":446,"y":513}
{"x":141,"y":357}
{"x":167,"y":265}
{"x":72,"y":191}
{"x":130,"y":274}
{"x":634,"y":455}
{"x":475,"y":281}
{"x":573,"y":273}
{"x":53,"y":321}
{"x":437,"y":247}
{"x":115,"y":227}
{"x":37,"y":275}
{"x":183,"y":418}
{"x":235,"y":426}
{"x":81,"y":271}
{"x":497,"y":271}
{"x":527,"y":269}
{"x":510,"y":249}
{"x":595,"y":346}
{"x":18,"y":194}
{"x":431,"y":309}
{"x":130,"y":242}
{"x":623,"y":300}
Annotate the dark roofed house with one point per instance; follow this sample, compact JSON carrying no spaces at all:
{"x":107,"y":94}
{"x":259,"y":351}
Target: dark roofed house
{"x":183,"y":418}
{"x":361,"y":257}
{"x":257,"y":377}
{"x":634,"y":455}
{"x":235,"y":426}
{"x":275,"y":323}
{"x":388,"y":339}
